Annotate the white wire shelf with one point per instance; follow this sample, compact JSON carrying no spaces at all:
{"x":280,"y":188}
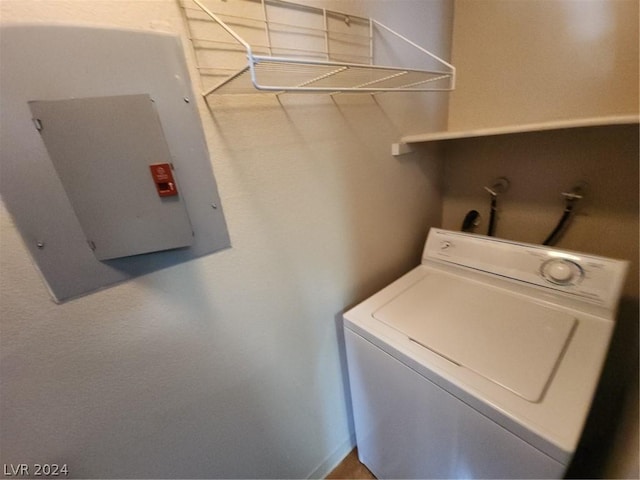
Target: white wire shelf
{"x":279,"y":46}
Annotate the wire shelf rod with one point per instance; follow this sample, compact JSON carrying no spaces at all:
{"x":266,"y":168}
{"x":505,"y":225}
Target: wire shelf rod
{"x":218,"y":69}
{"x":330,"y":89}
{"x":260,"y":58}
{"x":326,"y":33}
{"x":370,"y":42}
{"x":265,"y":47}
{"x":217,"y":18}
{"x":428,"y":80}
{"x":304,"y":55}
{"x":267,"y":31}
{"x":423,"y":50}
{"x":322,"y":77}
{"x":228,"y":80}
{"x":318,"y":11}
{"x":297,"y":6}
{"x":383,"y":79}
{"x":224,"y":26}
{"x":301,"y":29}
{"x":336,"y":90}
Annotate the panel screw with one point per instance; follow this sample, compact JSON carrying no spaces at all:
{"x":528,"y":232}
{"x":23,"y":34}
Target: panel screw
{"x":214,"y":206}
{"x":40,"y":245}
{"x":186,"y":100}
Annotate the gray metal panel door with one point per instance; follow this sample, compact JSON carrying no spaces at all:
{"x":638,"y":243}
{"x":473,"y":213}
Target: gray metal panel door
{"x":101,"y":149}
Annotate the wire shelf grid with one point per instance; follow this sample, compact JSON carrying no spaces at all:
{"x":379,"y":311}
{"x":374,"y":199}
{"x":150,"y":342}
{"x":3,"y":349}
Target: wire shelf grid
{"x":279,"y":46}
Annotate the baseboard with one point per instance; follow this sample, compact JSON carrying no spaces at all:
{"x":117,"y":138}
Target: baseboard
{"x":333,"y":460}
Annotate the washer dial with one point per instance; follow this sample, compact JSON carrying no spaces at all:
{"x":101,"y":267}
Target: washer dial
{"x":560,"y":271}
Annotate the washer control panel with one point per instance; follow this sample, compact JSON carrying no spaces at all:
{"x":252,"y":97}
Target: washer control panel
{"x":592,"y":278}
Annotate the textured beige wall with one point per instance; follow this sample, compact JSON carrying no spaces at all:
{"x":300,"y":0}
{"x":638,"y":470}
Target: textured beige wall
{"x":540,"y":167}
{"x":529,"y":61}
{"x":230,"y":365}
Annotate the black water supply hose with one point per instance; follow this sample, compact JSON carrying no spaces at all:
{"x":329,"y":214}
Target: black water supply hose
{"x":471,"y":221}
{"x":500,"y":185}
{"x":563,"y":223}
{"x":492,"y":215}
{"x":569,"y":203}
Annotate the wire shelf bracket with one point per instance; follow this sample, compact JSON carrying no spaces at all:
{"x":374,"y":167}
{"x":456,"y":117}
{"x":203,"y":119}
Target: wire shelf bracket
{"x":298,"y":48}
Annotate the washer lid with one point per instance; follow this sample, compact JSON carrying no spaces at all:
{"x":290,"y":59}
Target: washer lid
{"x":508,"y":339}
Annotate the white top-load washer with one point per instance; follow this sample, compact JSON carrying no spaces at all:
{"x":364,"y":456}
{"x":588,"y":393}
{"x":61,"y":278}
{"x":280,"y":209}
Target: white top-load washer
{"x":481,"y":362}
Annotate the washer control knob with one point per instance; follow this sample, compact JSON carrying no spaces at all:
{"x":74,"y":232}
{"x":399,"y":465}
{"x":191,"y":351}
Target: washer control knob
{"x":445,"y":244}
{"x":561,"y":272}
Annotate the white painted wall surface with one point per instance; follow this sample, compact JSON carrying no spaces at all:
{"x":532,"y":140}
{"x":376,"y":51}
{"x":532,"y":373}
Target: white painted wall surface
{"x":537,"y":60}
{"x":231,"y":365}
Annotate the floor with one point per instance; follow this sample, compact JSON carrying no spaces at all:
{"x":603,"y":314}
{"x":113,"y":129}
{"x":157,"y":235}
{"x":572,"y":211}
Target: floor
{"x":351,"y":468}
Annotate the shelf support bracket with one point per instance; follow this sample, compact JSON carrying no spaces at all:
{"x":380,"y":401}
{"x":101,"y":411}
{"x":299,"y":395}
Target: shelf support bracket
{"x":400,"y":148}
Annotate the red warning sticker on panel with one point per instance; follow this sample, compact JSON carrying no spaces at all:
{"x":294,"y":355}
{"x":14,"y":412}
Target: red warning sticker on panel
{"x":163,"y":178}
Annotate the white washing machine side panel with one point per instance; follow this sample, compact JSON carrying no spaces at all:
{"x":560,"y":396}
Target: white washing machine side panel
{"x":455,"y":440}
